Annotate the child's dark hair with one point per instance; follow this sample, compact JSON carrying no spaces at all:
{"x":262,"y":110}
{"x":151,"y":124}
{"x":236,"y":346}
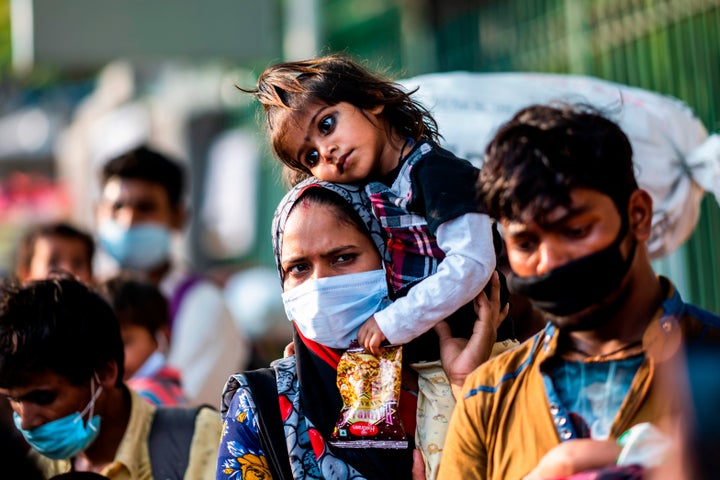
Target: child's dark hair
{"x":545,"y":151}
{"x":26,"y":246}
{"x":142,"y":163}
{"x":290,"y":86}
{"x":58,"y":325}
{"x":136,"y":302}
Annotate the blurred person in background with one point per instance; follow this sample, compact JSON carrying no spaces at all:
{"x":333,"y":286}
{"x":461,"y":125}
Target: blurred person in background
{"x":49,"y":248}
{"x":61,"y":366}
{"x":55,"y":247}
{"x":140,"y":210}
{"x":142,"y":311}
{"x":254,"y":297}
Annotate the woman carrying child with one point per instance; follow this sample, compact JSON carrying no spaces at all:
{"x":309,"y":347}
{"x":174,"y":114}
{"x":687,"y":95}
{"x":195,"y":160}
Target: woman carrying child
{"x":328,"y":248}
{"x":331,"y":118}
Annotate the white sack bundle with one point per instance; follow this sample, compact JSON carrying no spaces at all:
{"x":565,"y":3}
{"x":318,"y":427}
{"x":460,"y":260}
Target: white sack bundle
{"x":675,"y":159}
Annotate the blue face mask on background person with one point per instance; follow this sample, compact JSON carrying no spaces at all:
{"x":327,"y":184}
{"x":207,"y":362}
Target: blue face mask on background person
{"x":67,"y":436}
{"x":331,"y":310}
{"x":141,"y":246}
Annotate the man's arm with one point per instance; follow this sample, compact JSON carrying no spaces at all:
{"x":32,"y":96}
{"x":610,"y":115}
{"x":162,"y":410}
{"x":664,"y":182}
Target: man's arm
{"x":464,"y":453}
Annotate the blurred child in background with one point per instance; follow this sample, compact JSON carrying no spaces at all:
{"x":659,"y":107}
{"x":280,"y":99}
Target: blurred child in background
{"x":143,"y":315}
{"x":53,"y":247}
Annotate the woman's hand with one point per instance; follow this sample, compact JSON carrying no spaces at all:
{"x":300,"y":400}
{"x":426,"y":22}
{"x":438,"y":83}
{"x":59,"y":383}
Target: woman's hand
{"x":418,"y":468}
{"x":459,"y":356}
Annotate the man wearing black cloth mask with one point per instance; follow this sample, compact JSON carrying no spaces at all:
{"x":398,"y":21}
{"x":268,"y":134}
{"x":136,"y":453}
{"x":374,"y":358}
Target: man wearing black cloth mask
{"x":560,"y":180}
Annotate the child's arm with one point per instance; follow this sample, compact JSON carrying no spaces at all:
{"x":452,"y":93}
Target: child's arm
{"x":468,"y":264}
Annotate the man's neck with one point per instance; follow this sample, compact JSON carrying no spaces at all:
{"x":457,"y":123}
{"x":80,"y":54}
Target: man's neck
{"x":113,"y":423}
{"x":626,"y":322}
{"x":154,"y":276}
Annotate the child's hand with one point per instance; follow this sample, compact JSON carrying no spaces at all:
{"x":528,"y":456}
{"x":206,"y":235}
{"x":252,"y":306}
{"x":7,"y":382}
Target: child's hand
{"x":371,"y":337}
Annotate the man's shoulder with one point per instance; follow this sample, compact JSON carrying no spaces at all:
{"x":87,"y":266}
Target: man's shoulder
{"x":503,"y":370}
{"x":702,"y":326}
{"x":208,"y":418}
{"x":699,"y":325}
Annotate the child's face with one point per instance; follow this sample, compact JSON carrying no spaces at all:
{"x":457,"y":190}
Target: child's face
{"x":139,"y":344}
{"x":340,"y":143}
{"x":54,"y":253}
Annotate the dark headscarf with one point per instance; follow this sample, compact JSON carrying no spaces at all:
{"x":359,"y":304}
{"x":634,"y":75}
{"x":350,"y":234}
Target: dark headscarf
{"x":355,"y":196}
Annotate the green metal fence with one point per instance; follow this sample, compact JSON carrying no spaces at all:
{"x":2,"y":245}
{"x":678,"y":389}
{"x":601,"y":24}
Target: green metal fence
{"x":669,"y":46}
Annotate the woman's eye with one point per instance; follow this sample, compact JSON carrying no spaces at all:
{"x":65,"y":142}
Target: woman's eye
{"x":345,"y":258}
{"x":296,"y":269}
{"x":326,"y":124}
{"x":311,"y":158}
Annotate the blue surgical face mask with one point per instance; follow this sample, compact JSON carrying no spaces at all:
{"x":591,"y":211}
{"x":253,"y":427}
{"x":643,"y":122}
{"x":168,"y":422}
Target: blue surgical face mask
{"x":143,"y":246}
{"x":331,"y":310}
{"x":67,"y":436}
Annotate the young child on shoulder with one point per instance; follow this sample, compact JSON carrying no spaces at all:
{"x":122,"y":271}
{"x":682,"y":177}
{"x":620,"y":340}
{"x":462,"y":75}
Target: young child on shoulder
{"x":334,"y":119}
{"x":143,"y":315}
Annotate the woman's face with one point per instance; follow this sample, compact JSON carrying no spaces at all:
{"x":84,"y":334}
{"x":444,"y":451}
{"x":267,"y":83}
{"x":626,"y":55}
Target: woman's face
{"x":316,"y":245}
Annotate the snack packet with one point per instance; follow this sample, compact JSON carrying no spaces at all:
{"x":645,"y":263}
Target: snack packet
{"x":370,"y":390}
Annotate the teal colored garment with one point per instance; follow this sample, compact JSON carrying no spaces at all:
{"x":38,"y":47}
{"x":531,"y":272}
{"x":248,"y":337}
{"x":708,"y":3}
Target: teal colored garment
{"x":592,"y":392}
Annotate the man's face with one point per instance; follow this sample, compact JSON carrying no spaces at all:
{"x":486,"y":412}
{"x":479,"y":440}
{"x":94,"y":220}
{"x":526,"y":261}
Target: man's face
{"x":47,"y":397}
{"x":588,"y":225}
{"x":132,"y":201}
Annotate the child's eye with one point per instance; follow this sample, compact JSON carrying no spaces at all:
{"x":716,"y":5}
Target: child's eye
{"x":326,"y":124}
{"x":311,"y":158}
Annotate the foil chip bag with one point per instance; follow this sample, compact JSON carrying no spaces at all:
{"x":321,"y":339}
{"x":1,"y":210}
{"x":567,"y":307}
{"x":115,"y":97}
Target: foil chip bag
{"x":370,"y":391}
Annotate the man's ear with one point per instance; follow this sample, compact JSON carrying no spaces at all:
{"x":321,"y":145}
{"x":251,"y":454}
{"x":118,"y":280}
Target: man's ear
{"x":640,"y":212}
{"x":107,"y":375}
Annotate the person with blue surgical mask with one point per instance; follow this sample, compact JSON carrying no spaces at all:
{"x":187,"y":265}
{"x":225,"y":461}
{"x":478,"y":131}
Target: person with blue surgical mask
{"x":141,"y":210}
{"x":329,"y":252}
{"x":61,"y":368}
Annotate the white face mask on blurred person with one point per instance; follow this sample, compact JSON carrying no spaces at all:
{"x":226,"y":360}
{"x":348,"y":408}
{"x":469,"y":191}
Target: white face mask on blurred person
{"x":331,"y":310}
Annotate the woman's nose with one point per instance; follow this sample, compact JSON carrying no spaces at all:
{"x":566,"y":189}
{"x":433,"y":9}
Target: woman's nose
{"x":322,"y":271}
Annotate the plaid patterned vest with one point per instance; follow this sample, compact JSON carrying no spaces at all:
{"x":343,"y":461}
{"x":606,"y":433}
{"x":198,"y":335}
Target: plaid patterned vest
{"x":413,"y":250}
